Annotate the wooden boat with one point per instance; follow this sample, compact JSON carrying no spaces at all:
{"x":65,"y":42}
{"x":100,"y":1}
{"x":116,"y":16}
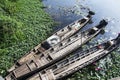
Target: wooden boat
{"x":56,"y":53}
{"x":77,"y":61}
{"x":54,"y":39}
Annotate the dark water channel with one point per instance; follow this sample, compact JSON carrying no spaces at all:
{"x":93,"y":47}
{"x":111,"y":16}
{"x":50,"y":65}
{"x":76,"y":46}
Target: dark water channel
{"x":66,"y":11}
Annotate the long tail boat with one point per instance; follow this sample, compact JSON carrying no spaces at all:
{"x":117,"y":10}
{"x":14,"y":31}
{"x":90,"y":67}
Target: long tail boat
{"x":57,"y":37}
{"x":56,"y":53}
{"x":77,"y":61}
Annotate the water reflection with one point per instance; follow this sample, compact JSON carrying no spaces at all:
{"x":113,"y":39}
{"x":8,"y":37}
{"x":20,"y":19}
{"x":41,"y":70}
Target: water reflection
{"x":63,"y":11}
{"x":67,"y":11}
{"x":108,"y":9}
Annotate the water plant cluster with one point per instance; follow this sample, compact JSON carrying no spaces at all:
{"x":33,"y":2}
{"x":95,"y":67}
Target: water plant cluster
{"x":106,"y":68}
{"x":23,"y":25}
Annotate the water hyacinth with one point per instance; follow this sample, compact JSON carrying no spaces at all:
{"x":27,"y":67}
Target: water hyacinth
{"x":23,"y":25}
{"x":98,"y":69}
{"x":104,"y":69}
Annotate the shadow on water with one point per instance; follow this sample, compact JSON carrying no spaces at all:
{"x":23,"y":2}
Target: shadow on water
{"x":66,"y":11}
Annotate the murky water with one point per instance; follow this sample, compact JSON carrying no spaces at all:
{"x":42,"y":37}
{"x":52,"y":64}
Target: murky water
{"x":66,"y":11}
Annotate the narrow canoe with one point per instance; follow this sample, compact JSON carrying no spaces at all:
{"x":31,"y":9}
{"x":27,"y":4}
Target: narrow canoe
{"x":57,"y":37}
{"x":77,"y":61}
{"x":56,"y":53}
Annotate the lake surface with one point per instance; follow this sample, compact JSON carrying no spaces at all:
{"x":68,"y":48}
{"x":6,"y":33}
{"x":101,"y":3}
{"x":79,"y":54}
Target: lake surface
{"x":66,"y":11}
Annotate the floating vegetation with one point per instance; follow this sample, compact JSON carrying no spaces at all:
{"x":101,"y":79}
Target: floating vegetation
{"x":23,"y":25}
{"x":76,"y":9}
{"x":104,"y":69}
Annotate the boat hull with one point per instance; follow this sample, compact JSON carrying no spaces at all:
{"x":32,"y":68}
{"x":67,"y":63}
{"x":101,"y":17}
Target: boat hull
{"x":57,"y":52}
{"x":57,"y":37}
{"x":77,"y":61}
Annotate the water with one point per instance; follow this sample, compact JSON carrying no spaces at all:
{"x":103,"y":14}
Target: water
{"x":66,"y":11}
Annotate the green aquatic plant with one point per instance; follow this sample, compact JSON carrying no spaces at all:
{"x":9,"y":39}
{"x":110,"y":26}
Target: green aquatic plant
{"x":23,"y":25}
{"x":104,"y":69}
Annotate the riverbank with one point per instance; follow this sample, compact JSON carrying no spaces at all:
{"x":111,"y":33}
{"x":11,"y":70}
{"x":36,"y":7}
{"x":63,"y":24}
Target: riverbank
{"x":23,"y":25}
